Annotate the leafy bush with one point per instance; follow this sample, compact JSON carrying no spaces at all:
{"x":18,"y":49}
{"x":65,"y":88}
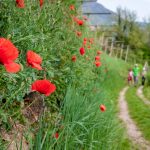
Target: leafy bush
{"x":148,"y":78}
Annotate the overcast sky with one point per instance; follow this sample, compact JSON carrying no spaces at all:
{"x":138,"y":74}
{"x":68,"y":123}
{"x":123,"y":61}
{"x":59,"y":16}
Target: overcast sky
{"x":141,"y":7}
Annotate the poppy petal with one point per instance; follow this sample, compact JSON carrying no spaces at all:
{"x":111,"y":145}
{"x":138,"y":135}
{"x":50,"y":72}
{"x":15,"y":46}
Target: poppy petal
{"x":8,"y":52}
{"x":12,"y":67}
{"x":34,"y":60}
{"x":43,"y":86}
{"x":36,"y":66}
{"x":41,"y":2}
{"x":20,"y":3}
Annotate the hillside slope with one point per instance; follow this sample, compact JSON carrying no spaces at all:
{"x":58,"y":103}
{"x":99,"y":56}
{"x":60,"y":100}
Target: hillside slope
{"x":82,"y":112}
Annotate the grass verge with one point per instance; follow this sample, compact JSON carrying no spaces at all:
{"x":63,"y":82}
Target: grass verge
{"x":146,"y":92}
{"x":83,"y":125}
{"x":139,"y":112}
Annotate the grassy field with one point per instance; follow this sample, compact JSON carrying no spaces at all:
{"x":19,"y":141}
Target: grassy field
{"x":139,"y":111}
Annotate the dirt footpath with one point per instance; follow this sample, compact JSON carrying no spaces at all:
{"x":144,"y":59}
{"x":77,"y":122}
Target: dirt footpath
{"x":133,"y":132}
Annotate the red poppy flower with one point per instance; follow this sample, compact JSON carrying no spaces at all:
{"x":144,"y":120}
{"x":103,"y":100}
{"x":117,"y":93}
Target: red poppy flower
{"x":74,"y":58}
{"x":79,"y":33}
{"x":12,"y":67}
{"x":56,"y":135}
{"x":43,"y":87}
{"x":102,"y":108}
{"x":97,"y":63}
{"x":84,"y":43}
{"x":85,"y":39}
{"x":34,"y":60}
{"x":41,"y":2}
{"x":75,"y":19}
{"x":91,"y":40}
{"x":20,"y":3}
{"x":82,"y":51}
{"x":97,"y":58}
{"x":8,"y":52}
{"x":72,"y":7}
{"x":89,"y":47}
{"x":99,"y":52}
{"x":85,"y":18}
{"x":80,"y":22}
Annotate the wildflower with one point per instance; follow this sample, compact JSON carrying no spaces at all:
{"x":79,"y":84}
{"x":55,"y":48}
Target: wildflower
{"x":79,"y":33}
{"x":20,"y":3}
{"x":99,"y":52}
{"x":12,"y":67}
{"x":85,"y":39}
{"x":75,"y":19}
{"x":72,"y":7}
{"x":41,"y":2}
{"x":82,"y":51}
{"x":97,"y":58}
{"x":84,"y":43}
{"x":43,"y":87}
{"x":80,"y":22}
{"x":8,"y":54}
{"x":74,"y":58}
{"x":91,"y":40}
{"x":102,"y":108}
{"x":89,"y":47}
{"x":85,"y":18}
{"x":56,"y":135}
{"x":34,"y":60}
{"x":97,"y":63}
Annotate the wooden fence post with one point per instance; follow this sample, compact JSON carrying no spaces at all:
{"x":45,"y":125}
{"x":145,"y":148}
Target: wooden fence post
{"x":127,"y":53}
{"x":102,"y":40}
{"x":111,"y":48}
{"x":106,"y":45}
{"x":121,"y":50}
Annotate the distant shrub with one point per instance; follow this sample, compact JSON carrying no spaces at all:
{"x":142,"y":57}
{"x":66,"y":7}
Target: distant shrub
{"x":148,"y":79}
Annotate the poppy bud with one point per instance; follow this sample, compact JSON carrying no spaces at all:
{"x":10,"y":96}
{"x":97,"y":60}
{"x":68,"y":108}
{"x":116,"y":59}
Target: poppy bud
{"x":102,"y":108}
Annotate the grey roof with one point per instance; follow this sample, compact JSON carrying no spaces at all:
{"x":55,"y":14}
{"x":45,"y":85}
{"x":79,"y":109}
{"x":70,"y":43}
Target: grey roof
{"x":94,"y":7}
{"x":97,"y":13}
{"x":97,"y":20}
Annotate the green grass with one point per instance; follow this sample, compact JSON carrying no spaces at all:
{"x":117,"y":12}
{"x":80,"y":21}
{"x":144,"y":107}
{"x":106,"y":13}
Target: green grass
{"x":84,"y":125}
{"x":146,"y":92}
{"x":139,"y":111}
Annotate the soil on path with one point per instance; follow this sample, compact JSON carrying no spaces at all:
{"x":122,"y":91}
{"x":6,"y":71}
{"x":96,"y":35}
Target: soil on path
{"x":133,"y":132}
{"x":141,"y":96}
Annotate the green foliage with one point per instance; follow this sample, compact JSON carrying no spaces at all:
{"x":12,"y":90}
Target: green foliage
{"x":46,"y":31}
{"x":80,"y":123}
{"x":148,"y":78}
{"x":130,"y":32}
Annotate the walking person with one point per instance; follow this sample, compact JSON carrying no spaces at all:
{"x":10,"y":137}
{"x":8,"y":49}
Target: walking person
{"x":143,"y":76}
{"x":130,"y":77}
{"x":135,"y":74}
